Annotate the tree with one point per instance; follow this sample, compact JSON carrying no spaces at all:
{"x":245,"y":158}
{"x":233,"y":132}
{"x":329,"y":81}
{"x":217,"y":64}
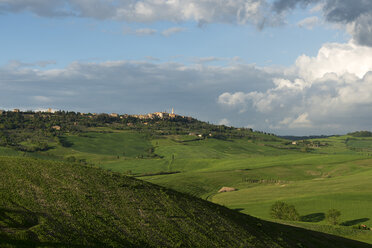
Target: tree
{"x":333,"y":216}
{"x":283,"y":211}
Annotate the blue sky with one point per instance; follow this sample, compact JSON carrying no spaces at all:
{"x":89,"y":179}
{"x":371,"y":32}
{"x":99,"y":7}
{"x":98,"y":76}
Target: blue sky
{"x":27,"y":37}
{"x":298,"y":73}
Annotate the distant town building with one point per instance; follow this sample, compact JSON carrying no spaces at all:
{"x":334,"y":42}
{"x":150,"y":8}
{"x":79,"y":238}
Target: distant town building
{"x":58,"y":128}
{"x":172,"y":115}
{"x":114,"y":115}
{"x":160,"y":115}
{"x":1,"y":112}
{"x":50,"y":110}
{"x":16,"y":110}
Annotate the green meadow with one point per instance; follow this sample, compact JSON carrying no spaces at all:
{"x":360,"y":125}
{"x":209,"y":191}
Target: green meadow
{"x":57,"y":204}
{"x":313,"y":175}
{"x":336,"y":174}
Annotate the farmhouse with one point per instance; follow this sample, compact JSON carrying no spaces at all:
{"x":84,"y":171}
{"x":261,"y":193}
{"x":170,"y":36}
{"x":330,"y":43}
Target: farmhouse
{"x":58,"y":128}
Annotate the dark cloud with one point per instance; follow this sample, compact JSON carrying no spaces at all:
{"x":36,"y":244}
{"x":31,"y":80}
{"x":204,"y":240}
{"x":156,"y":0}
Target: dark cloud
{"x":362,"y":30}
{"x":129,"y":87}
{"x":282,"y":5}
{"x":357,"y":14}
{"x":345,"y":10}
{"x":209,"y":11}
{"x":44,"y":8}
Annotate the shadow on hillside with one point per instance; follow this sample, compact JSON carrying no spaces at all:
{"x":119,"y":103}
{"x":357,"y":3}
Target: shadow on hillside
{"x":316,"y":217}
{"x":238,"y":209}
{"x":16,"y":231}
{"x":354,"y":222}
{"x":21,"y":219}
{"x":9,"y":242}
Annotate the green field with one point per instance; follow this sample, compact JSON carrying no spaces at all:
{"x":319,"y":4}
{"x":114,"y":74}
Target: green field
{"x":324,"y":177}
{"x":56,"y":204}
{"x":314,"y":175}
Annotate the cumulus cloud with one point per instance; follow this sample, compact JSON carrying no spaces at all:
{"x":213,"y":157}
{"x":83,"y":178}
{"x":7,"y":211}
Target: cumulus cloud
{"x":334,"y":58}
{"x":330,"y":90}
{"x":202,"y":11}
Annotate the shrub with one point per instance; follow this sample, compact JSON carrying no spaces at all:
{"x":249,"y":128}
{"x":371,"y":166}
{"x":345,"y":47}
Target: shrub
{"x":333,"y":216}
{"x":283,"y":211}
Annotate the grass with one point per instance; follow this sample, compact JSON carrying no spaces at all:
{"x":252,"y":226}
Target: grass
{"x":56,"y":204}
{"x":127,"y":144}
{"x":335,"y":175}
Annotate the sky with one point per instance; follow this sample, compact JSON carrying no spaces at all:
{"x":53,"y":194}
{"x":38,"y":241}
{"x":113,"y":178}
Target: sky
{"x":289,"y":67}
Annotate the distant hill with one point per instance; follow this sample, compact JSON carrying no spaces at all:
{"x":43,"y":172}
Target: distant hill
{"x":361,"y":134}
{"x":55,"y":204}
{"x":34,"y":131}
{"x":289,"y":137}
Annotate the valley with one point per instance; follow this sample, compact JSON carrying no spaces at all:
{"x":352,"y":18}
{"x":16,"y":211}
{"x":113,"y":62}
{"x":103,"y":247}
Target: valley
{"x":313,"y":175}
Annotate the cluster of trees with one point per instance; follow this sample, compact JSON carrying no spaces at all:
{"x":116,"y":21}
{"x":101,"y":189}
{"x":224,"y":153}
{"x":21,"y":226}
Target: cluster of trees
{"x":283,"y":211}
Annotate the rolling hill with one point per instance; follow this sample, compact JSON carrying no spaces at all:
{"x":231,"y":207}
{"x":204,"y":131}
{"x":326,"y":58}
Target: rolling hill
{"x":57,"y":204}
{"x":198,"y":159}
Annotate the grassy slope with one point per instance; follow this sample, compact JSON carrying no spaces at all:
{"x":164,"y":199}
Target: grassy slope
{"x":262,"y":173}
{"x":54,"y":204}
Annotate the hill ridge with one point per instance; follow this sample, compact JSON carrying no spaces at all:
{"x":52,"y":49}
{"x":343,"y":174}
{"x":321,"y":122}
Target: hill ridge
{"x":56,"y":204}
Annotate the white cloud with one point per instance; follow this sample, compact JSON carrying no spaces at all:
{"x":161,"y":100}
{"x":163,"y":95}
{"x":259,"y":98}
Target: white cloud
{"x":150,"y":31}
{"x":309,"y":22}
{"x":146,"y":31}
{"x":43,"y":99}
{"x":301,"y":121}
{"x":238,"y":98}
{"x":173,"y":30}
{"x":331,"y":90}
{"x":336,"y":58}
{"x":224,"y":121}
{"x":208,"y":59}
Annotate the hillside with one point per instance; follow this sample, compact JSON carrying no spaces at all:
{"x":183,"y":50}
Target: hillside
{"x":55,"y":204}
{"x":199,"y":158}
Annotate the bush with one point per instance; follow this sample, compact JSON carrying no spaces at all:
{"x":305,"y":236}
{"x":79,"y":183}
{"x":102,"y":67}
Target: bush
{"x":333,"y":216}
{"x":283,"y":211}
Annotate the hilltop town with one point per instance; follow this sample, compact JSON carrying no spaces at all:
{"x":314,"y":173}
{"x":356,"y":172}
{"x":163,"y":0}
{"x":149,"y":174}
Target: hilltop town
{"x":155,"y":115}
